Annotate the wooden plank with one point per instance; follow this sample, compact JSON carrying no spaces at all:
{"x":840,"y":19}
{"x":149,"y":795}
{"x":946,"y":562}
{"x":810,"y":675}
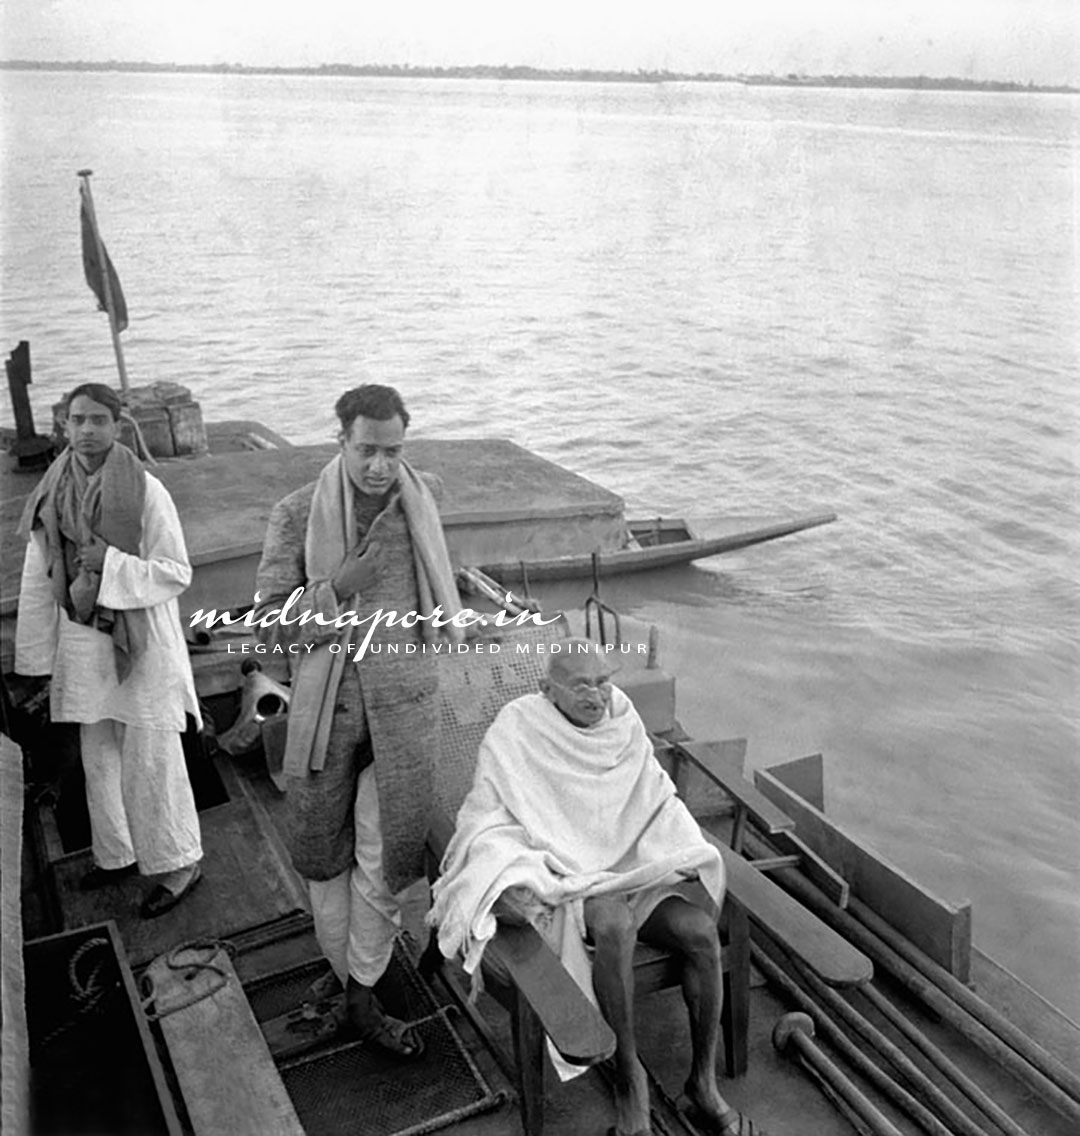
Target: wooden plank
{"x":940,"y":929}
{"x":714,"y":760}
{"x":153,"y":1061}
{"x":573,"y":1023}
{"x":1043,"y":1022}
{"x":808,"y":861}
{"x":829,"y":955}
{"x":804,"y":776}
{"x":815,"y":869}
{"x":15,"y":1049}
{"x":570,"y":1020}
{"x":765,"y":863}
{"x":222,"y":1063}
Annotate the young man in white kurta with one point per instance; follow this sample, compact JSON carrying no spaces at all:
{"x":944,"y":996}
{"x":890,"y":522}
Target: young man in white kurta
{"x":142,"y":810}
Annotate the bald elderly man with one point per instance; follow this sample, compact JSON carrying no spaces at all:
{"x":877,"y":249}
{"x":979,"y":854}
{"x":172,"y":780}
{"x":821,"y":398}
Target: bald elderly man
{"x":572,"y":825}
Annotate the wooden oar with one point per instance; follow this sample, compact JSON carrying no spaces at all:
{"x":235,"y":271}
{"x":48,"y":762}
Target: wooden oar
{"x":839,"y":1040}
{"x":920,"y":1083}
{"x":1066,"y":1079}
{"x":958,"y":1016}
{"x":795,"y":1032}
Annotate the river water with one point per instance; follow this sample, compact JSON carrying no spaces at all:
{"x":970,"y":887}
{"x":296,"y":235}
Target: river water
{"x":710,"y":298}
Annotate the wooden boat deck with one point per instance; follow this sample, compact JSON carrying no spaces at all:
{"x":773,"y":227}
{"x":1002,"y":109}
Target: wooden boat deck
{"x":775,"y":1091}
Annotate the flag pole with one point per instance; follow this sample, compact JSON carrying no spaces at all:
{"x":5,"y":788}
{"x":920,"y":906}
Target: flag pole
{"x":85,"y":175}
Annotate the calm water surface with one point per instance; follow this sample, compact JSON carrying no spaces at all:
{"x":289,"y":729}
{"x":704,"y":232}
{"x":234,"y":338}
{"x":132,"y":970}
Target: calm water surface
{"x":712,"y":299}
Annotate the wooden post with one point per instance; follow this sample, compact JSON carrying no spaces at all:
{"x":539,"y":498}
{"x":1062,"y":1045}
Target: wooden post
{"x":18,"y":376}
{"x":29,"y":448}
{"x":106,"y":283}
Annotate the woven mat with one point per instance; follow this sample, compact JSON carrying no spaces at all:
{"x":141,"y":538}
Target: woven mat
{"x":346,"y":1086}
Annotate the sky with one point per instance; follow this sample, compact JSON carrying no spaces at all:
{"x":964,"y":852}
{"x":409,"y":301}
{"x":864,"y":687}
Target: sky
{"x":1017,"y":40}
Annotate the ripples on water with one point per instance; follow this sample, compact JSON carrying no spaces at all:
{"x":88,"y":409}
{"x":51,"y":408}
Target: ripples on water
{"x":713,"y":299}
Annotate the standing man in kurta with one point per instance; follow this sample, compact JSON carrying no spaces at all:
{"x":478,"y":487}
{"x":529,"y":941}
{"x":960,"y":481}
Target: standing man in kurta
{"x":98,"y":612}
{"x":363,"y":728}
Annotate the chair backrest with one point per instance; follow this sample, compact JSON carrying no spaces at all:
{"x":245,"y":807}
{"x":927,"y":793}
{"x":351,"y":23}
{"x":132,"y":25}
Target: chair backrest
{"x":473,"y":687}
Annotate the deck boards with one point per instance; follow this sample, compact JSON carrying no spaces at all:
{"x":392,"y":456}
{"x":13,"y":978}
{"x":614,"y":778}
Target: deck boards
{"x":222,"y":1063}
{"x":774,"y":1091}
{"x":245,"y":884}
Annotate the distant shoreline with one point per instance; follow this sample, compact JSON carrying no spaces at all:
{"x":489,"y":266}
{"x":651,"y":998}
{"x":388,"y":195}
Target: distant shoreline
{"x":582,"y":75}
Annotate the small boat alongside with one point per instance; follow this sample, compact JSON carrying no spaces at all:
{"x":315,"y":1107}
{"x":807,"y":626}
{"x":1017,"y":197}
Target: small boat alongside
{"x":663,"y":542}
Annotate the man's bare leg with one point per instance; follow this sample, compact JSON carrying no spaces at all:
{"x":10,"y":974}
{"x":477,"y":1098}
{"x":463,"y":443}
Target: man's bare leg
{"x":678,"y":926}
{"x":610,"y":926}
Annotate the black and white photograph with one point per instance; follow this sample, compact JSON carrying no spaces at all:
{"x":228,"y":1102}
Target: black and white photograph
{"x":538,"y":568}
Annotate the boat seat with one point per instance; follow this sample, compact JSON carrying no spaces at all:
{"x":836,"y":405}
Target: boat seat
{"x":520,"y":970}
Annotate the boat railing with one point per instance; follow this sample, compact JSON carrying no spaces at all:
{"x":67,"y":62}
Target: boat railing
{"x":596,"y":608}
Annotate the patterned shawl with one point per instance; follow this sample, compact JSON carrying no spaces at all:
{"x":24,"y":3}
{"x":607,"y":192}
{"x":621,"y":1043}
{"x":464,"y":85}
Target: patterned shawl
{"x":71,"y":506}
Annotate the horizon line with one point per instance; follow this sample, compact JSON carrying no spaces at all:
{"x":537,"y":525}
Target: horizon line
{"x":530,"y":71}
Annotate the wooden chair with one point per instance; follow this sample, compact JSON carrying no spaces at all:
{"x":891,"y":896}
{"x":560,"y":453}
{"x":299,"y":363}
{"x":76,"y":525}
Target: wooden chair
{"x":520,"y":971}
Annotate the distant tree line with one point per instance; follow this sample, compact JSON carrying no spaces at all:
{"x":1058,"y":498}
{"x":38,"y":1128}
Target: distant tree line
{"x":508,"y":72}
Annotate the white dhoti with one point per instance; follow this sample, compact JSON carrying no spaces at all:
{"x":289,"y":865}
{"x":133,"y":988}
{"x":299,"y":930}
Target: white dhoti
{"x":139,"y":797}
{"x":142,"y":809}
{"x":356,"y":915}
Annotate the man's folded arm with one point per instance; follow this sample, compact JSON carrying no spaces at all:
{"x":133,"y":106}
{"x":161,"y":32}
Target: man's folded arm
{"x":163,"y":573}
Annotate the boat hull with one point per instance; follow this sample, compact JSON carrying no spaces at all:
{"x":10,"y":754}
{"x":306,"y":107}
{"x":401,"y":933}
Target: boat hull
{"x":667,"y":554}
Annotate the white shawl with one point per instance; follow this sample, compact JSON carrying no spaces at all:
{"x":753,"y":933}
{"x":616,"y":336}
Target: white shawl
{"x":569,"y":812}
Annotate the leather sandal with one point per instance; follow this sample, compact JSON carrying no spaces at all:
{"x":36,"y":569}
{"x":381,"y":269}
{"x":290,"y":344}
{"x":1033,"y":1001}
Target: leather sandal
{"x":161,"y":899}
{"x":395,"y":1037}
{"x":732,"y":1123}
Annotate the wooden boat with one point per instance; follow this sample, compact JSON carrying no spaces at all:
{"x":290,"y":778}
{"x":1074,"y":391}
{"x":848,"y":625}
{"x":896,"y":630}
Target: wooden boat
{"x":235,"y":1029}
{"x":654,"y":544}
{"x":223,"y":1052}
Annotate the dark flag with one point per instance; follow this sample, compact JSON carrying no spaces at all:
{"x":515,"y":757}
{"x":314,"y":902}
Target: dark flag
{"x":92,"y":265}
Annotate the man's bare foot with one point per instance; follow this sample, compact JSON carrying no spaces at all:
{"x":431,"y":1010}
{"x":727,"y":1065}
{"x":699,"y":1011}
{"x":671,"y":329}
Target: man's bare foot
{"x":709,"y":1111}
{"x":632,"y":1102}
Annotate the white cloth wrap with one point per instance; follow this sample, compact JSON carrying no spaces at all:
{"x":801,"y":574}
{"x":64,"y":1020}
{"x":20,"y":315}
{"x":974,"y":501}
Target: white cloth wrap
{"x":569,"y":812}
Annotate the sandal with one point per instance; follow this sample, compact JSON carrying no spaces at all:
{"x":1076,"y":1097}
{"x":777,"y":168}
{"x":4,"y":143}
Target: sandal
{"x":731,"y":1123}
{"x":161,"y":899}
{"x":395,"y":1037}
